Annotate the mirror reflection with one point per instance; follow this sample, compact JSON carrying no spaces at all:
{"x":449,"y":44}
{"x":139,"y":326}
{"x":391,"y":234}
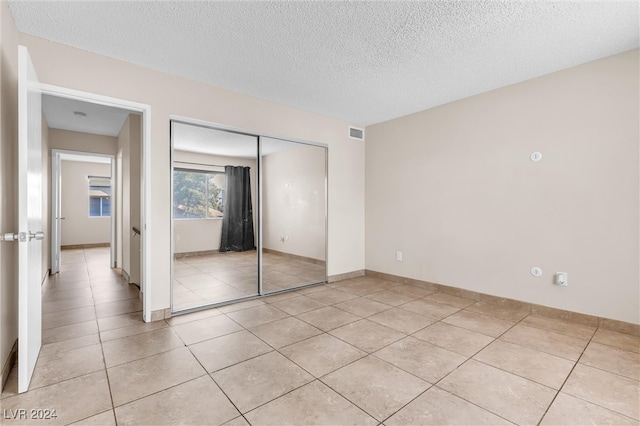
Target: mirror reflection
{"x":214,"y":218}
{"x":227,"y":205}
{"x":293,"y":214}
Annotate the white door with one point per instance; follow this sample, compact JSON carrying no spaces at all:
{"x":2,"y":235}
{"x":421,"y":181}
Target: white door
{"x":29,"y":219}
{"x":56,"y":215}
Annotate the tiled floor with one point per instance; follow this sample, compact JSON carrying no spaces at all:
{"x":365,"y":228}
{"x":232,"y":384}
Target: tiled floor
{"x":209,"y":279}
{"x":362,"y":351}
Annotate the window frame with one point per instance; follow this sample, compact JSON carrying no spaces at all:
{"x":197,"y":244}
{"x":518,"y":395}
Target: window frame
{"x":99,"y":187}
{"x":207,"y":174}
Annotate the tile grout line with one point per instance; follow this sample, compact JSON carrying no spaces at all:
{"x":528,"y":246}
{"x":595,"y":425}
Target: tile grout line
{"x":257,"y":356}
{"x":366,"y":354}
{"x":564,"y":382}
{"x":290,"y":360}
{"x":104,"y":360}
{"x":467,"y":360}
{"x":434,"y":385}
{"x":372,"y":354}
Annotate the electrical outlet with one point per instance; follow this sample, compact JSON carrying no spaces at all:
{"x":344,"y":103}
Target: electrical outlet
{"x":399,"y":256}
{"x":561,"y":278}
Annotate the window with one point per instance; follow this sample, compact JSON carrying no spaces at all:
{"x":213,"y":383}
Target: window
{"x":99,"y":196}
{"x":198,"y":194}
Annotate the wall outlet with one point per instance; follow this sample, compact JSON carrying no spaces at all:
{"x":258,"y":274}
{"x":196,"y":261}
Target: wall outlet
{"x":561,"y":278}
{"x":399,"y":256}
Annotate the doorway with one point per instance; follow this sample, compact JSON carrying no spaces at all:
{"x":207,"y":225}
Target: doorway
{"x":85,"y":207}
{"x":140,"y":161}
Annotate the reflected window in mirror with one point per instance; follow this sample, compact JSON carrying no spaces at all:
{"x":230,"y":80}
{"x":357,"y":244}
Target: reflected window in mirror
{"x":198,"y":194}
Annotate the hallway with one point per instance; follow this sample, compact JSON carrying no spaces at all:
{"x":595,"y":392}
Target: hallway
{"x":360,"y":351}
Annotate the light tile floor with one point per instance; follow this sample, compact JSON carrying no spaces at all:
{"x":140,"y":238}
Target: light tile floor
{"x":362,"y":351}
{"x":209,"y":279}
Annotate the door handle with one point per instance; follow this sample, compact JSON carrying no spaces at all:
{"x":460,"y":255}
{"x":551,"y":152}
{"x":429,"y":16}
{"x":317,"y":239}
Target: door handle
{"x":38,"y":235}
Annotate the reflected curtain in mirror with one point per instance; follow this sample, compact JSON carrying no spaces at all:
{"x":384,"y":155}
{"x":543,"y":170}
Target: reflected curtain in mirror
{"x":237,"y":223}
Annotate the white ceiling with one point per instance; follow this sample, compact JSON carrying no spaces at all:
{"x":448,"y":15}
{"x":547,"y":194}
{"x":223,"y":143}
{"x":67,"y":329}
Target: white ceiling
{"x":363,"y":62}
{"x":98,"y":119}
{"x":205,"y":140}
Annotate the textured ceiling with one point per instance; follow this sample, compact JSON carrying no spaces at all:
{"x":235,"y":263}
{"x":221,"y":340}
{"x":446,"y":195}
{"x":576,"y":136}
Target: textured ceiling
{"x":363,"y":62}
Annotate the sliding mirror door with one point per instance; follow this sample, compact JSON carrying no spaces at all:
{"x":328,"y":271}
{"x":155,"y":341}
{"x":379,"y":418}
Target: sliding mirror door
{"x":294,"y":214}
{"x":214,"y":216}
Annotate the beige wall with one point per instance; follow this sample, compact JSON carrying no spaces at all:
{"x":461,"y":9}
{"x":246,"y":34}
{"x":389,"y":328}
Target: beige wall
{"x":8,"y":173}
{"x":192,"y":235}
{"x":454,"y":189}
{"x":293,"y":196}
{"x":135,"y":191}
{"x":167,"y":95}
{"x":83,"y":142}
{"x":78,"y":228}
{"x":128,"y":206}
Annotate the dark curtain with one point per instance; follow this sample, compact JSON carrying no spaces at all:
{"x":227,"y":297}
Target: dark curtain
{"x":237,"y":221}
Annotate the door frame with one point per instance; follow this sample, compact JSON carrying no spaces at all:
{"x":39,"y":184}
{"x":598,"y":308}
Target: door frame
{"x":57,"y":155}
{"x":145,"y":190}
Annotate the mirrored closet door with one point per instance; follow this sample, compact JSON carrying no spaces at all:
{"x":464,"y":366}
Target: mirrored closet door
{"x":294,"y":214}
{"x":249,"y":215}
{"x":214,"y":216}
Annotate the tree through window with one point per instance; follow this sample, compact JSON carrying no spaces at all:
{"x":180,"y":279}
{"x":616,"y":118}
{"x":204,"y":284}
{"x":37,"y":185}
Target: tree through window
{"x":198,"y":194}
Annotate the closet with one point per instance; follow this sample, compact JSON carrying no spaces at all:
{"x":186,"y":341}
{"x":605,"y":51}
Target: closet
{"x":249,"y":215}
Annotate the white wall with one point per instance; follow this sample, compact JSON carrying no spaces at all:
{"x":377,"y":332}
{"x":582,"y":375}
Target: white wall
{"x":79,"y":228}
{"x":454,"y":189}
{"x":193,"y":235}
{"x":170,"y":95}
{"x":293,"y":195}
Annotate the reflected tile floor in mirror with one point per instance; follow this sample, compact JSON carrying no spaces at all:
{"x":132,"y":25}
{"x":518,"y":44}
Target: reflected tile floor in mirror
{"x":214,"y":278}
{"x":360,"y":351}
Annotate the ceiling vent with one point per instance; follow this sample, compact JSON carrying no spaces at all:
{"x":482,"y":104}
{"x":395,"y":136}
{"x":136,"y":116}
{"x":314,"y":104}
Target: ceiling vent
{"x":355,"y":133}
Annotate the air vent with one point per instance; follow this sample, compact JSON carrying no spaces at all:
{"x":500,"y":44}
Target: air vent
{"x":355,"y":133}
